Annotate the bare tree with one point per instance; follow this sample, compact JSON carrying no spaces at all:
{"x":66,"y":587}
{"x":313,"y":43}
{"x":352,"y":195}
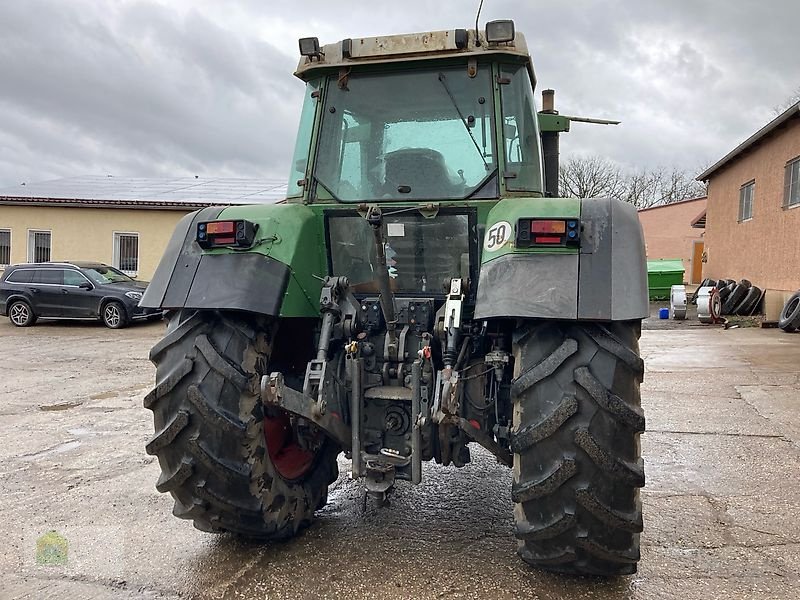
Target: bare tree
{"x":793,"y":99}
{"x":598,"y":177}
{"x":590,"y":177}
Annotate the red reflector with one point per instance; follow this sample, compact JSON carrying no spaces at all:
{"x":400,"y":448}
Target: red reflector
{"x":541,"y":239}
{"x":220,"y":227}
{"x":221,"y":241}
{"x":548,"y":226}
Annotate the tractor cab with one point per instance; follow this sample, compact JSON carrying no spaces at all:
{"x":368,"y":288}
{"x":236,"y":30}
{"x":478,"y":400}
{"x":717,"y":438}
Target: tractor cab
{"x":438,"y":116}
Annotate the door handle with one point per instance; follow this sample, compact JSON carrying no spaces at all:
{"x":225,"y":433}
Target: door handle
{"x":63,"y":291}
{"x":35,"y":290}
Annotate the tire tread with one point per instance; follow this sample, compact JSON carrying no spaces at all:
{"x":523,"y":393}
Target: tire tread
{"x":209,"y":434}
{"x":577,"y":469}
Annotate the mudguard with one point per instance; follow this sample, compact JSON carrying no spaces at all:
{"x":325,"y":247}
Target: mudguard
{"x":278,"y":275}
{"x":605,"y":279}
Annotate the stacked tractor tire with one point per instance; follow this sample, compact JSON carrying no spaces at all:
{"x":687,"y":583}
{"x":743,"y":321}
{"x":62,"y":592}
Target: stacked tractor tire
{"x":790,"y":315}
{"x":742,"y":299}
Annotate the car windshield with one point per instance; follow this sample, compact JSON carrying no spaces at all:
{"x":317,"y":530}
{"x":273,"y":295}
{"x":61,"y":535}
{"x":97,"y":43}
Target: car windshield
{"x":425,"y":134}
{"x":106,"y":274}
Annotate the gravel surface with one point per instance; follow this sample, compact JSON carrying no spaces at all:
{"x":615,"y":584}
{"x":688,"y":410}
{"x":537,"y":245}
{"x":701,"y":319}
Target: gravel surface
{"x":721,"y":504}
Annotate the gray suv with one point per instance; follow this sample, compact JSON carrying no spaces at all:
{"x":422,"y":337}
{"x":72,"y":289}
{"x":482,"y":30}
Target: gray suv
{"x":71,"y":290}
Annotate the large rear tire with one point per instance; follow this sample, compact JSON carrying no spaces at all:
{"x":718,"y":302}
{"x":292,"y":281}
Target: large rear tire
{"x":577,"y":460}
{"x":213,"y":440}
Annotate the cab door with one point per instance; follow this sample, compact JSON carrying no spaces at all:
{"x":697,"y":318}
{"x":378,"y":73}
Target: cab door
{"x":81,"y":297}
{"x":46,"y":292}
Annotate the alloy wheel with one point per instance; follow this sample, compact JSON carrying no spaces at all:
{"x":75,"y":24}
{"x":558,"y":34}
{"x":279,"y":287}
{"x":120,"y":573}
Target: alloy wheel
{"x":20,"y":314}
{"x":112,"y":315}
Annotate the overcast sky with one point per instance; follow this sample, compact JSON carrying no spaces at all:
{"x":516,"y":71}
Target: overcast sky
{"x":205,"y":87}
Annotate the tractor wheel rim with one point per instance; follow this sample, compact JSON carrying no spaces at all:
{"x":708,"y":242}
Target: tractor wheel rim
{"x":290,"y":459}
{"x":19,"y":314}
{"x":112,"y":315}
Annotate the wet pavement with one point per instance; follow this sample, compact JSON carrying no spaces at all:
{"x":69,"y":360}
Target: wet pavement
{"x":722,"y":502}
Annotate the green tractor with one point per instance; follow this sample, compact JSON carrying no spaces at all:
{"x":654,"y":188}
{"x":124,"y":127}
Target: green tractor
{"x":419,"y":292}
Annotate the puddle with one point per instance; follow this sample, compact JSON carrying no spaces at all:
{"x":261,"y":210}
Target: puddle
{"x":119,"y":392}
{"x":65,"y":447}
{"x":79,"y":431}
{"x":60,"y":405}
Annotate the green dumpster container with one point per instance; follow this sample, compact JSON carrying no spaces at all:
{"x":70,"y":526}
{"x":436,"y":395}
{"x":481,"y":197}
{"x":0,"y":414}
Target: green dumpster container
{"x":662,"y":274}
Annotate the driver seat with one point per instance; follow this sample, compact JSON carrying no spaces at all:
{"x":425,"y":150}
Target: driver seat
{"x":422,"y":169}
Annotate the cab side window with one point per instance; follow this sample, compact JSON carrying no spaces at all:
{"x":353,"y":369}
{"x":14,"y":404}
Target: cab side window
{"x":73,"y":278}
{"x":521,"y":131}
{"x":49,"y":276}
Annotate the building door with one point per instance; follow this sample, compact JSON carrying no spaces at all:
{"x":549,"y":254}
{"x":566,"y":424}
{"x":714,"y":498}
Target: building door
{"x":697,"y":261}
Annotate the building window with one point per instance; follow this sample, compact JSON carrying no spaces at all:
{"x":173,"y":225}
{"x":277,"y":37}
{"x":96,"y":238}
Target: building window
{"x":791,"y":188}
{"x":5,"y":247}
{"x":746,"y":201}
{"x":39,"y":246}
{"x":126,"y":252}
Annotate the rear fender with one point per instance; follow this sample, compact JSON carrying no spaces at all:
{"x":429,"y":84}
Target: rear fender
{"x":277,"y":276}
{"x":605,"y":279}
{"x":13,"y":297}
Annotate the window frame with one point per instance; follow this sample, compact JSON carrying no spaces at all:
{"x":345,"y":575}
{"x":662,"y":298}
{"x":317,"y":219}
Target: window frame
{"x":9,"y":279}
{"x":115,"y":261}
{"x":31,"y":248}
{"x":516,"y":79}
{"x":47,"y":270}
{"x":750,"y":185}
{"x":3,"y":265}
{"x":474,"y":238}
{"x":793,"y":164}
{"x":318,"y":189}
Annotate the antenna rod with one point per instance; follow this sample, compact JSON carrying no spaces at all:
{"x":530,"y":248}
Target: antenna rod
{"x":595,"y":121}
{"x":477,"y":17}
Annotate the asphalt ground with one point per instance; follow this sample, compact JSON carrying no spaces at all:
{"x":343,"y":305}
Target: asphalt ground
{"x":721,"y":505}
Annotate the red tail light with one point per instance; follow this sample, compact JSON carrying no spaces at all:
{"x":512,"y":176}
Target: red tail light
{"x":548,"y":232}
{"x":548,"y":226}
{"x":215,"y":234}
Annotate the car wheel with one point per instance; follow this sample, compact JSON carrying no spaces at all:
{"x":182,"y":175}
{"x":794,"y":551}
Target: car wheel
{"x":114,"y":316}
{"x":21,"y":314}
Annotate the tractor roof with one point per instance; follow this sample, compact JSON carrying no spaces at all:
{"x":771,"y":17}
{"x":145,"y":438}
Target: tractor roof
{"x":405,"y":47}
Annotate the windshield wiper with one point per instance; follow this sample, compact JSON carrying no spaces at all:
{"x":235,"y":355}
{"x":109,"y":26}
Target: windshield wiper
{"x":463,"y":120}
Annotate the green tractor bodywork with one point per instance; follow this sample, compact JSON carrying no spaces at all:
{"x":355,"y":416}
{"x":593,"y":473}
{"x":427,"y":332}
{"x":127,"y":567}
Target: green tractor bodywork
{"x":420,"y":157}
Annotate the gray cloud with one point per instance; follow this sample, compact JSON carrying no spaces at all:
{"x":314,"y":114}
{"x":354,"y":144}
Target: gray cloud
{"x":150,"y":88}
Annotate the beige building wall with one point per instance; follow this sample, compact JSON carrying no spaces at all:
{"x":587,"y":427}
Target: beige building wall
{"x":766,"y":248}
{"x":668,"y":232}
{"x":79,"y":233}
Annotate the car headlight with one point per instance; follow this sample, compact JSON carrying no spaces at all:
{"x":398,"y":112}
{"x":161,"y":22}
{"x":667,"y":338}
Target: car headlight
{"x":134,"y":295}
